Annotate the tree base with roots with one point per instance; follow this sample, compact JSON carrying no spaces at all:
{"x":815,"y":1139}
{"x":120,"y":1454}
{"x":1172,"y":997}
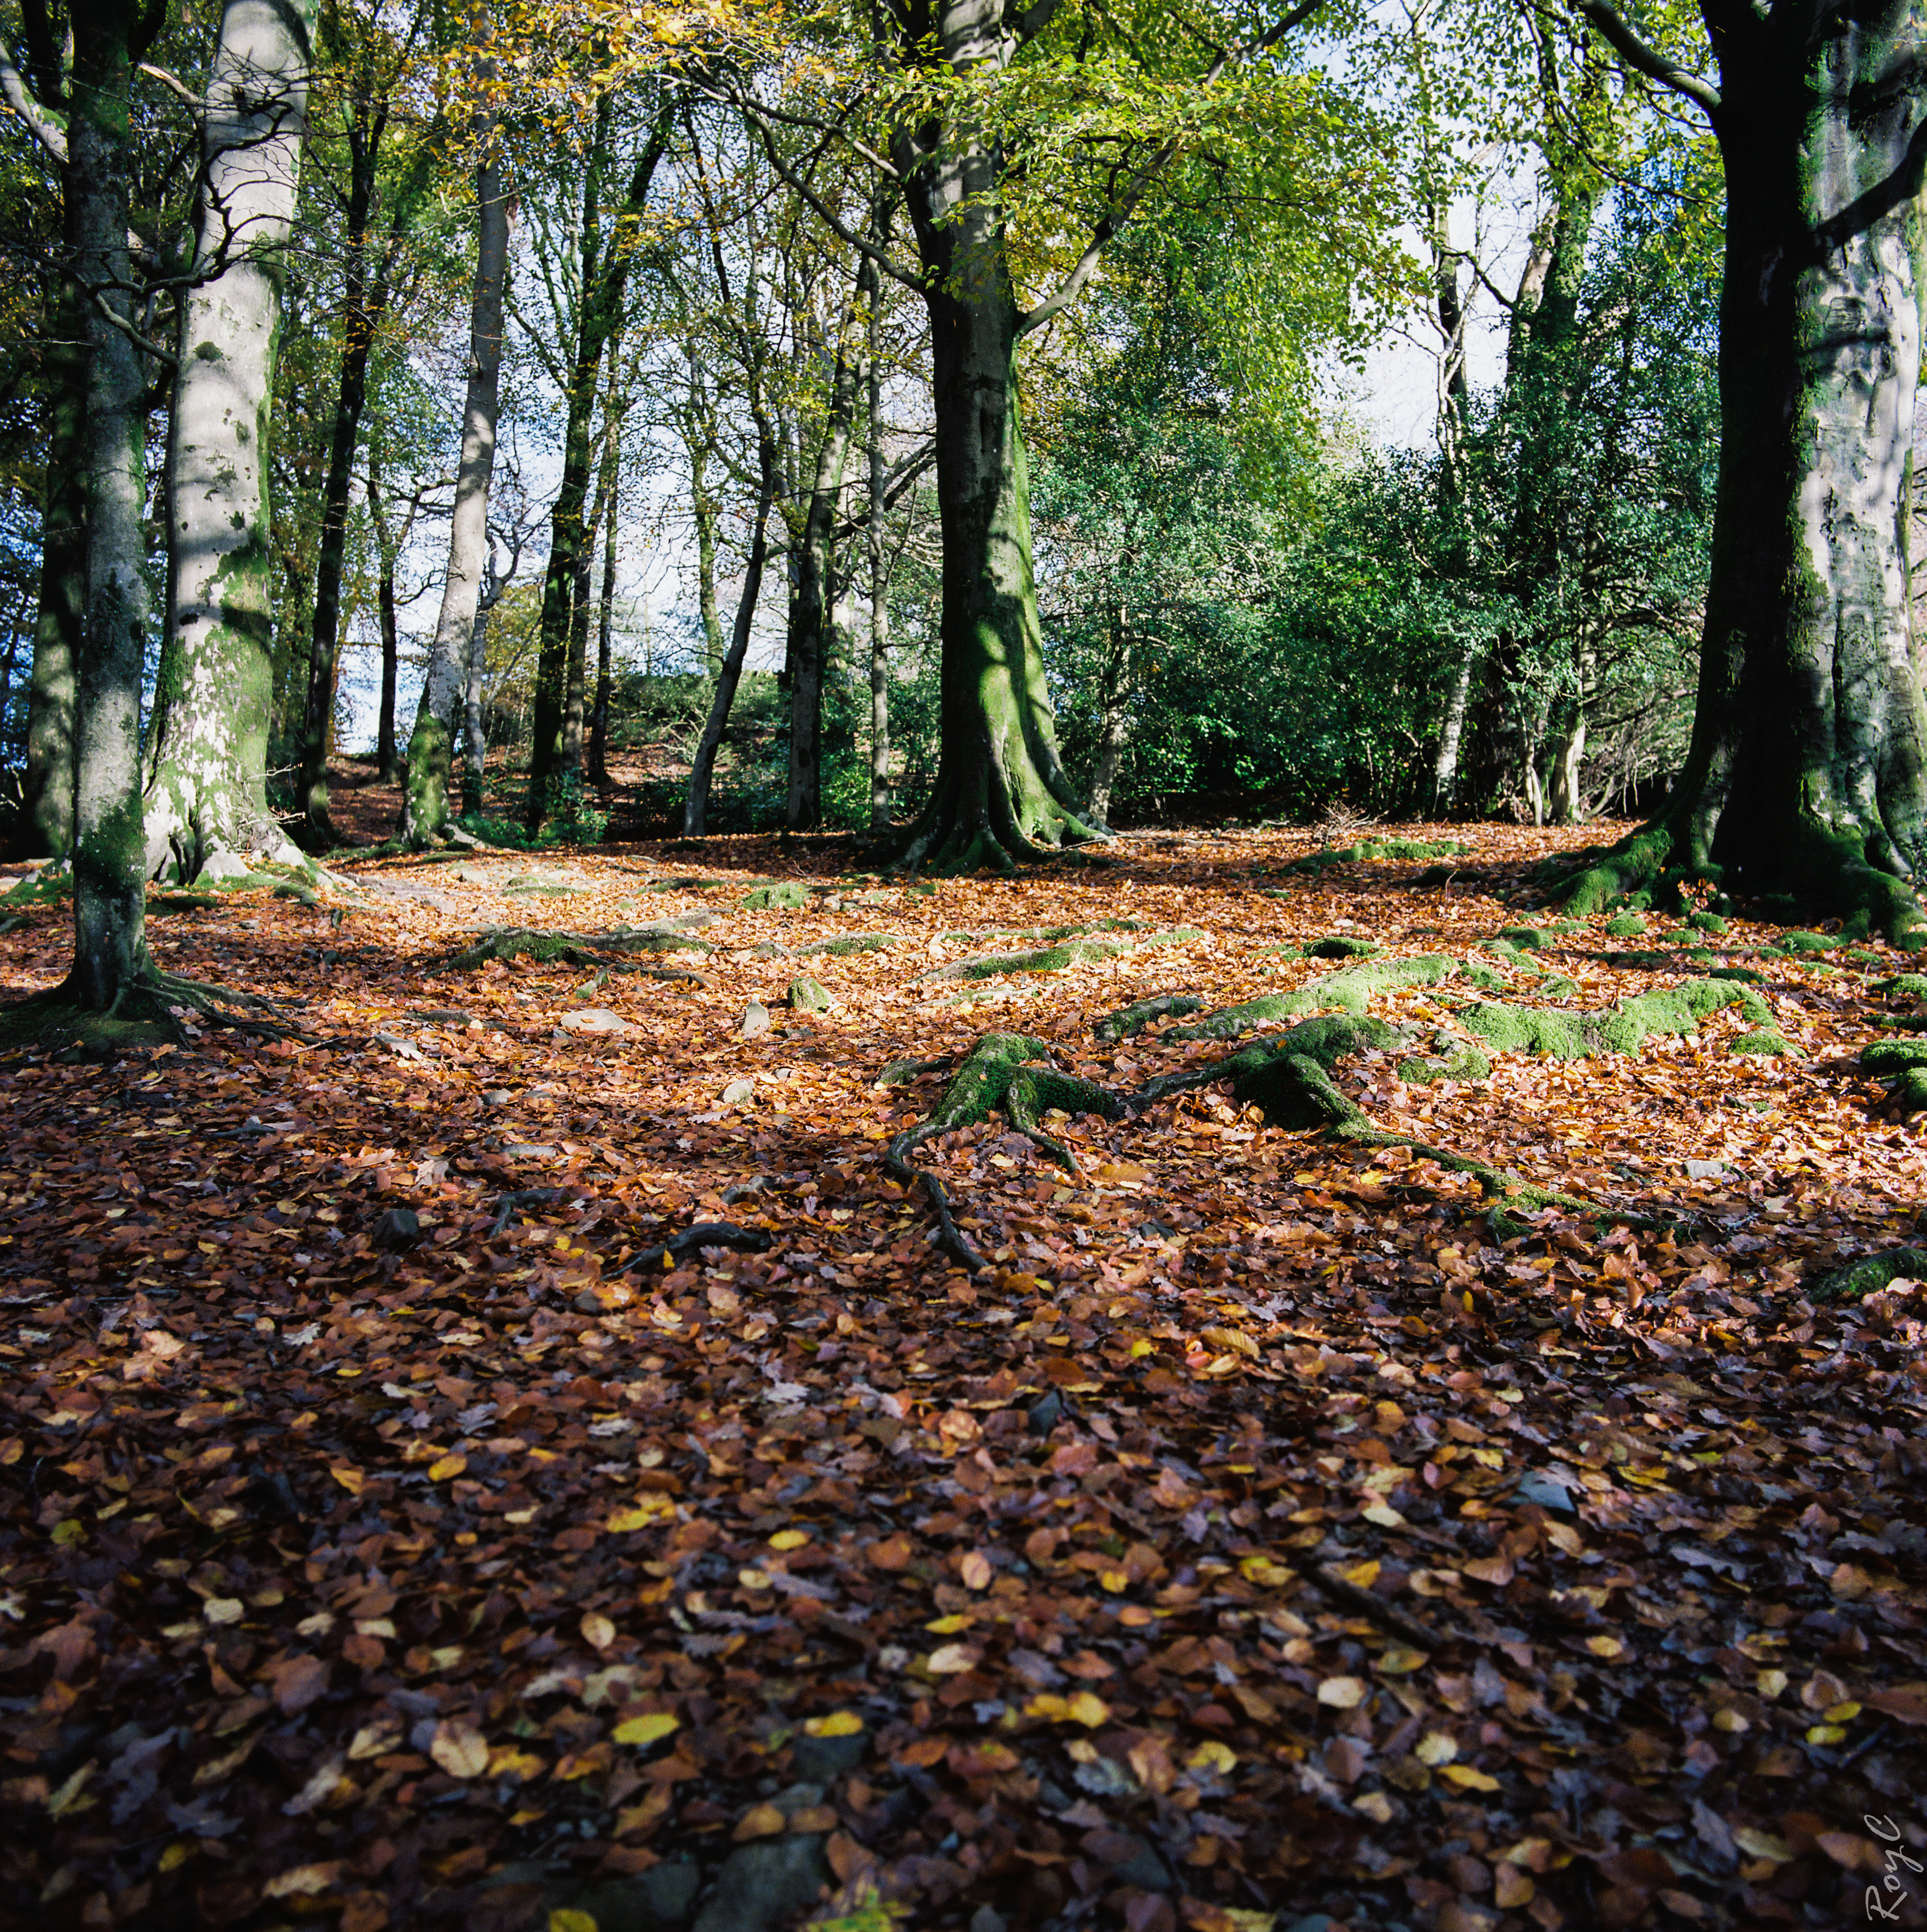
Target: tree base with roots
{"x":145,"y":1013}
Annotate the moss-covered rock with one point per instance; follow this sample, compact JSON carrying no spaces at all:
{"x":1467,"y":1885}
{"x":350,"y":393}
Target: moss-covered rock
{"x":1870,"y":1275}
{"x":1742,"y":976}
{"x":1797,"y":943}
{"x":1526,"y":938}
{"x":805,"y":996}
{"x":1904,"y":986}
{"x":1764,"y":1042}
{"x":1042,"y":959}
{"x":1341,"y":945}
{"x":1707,"y":921}
{"x":1621,"y":1028}
{"x":849,"y":944}
{"x":1626,"y":926}
{"x":787,"y":896}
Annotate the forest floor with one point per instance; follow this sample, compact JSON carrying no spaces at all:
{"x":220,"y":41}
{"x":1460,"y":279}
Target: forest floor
{"x":1270,"y":1535}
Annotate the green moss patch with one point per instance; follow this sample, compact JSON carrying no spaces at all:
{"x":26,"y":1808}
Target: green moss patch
{"x":1627,"y":925}
{"x":1621,"y":1028}
{"x":787,"y":897}
{"x":1135,"y":1018}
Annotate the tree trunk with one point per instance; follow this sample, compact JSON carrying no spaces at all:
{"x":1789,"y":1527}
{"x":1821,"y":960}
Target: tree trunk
{"x":424,"y":804}
{"x":879,"y":586}
{"x":1807,"y":773}
{"x":696,"y":804}
{"x":387,"y":767}
{"x":475,"y":739}
{"x":602,"y":281}
{"x":1002,"y":792}
{"x":46,"y":814}
{"x":1451,"y":732}
{"x":575,"y":704}
{"x":599,"y":727}
{"x":809,"y":619}
{"x":207,"y":766}
{"x":1111,"y":736}
{"x":703,"y":508}
{"x":362,"y":309}
{"x":109,"y":891}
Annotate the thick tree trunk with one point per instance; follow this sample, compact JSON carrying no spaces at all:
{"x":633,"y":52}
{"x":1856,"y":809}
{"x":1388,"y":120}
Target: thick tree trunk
{"x":696,"y":802}
{"x":1807,"y":773}
{"x":109,"y":874}
{"x":1001,"y":793}
{"x":425,"y":805}
{"x":207,"y":766}
{"x":362,"y":308}
{"x":810,"y":617}
{"x":46,"y":814}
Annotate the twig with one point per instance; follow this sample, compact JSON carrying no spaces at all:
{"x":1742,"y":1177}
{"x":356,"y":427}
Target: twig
{"x":704,"y":1235}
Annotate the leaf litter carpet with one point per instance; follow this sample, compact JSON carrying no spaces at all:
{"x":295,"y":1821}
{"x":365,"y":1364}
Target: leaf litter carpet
{"x":1271,"y":1536}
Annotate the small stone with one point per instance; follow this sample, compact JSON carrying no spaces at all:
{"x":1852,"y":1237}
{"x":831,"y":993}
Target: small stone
{"x":498,"y":1097}
{"x":529,"y":1150}
{"x":1536,"y":1487}
{"x":755,"y":1021}
{"x":1707,"y":1170}
{"x":1045,"y":1414}
{"x":805,"y":996}
{"x":785,"y":898}
{"x":761,"y":1884}
{"x":986,"y":1918}
{"x":595,"y":1020}
{"x":738,"y":1093}
{"x":397,"y":1229}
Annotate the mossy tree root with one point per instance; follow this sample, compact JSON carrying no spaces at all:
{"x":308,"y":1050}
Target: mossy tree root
{"x":143,"y":1012}
{"x":607,"y":950}
{"x":1135,"y":1018}
{"x":999,"y":1074}
{"x":1869,"y":1275}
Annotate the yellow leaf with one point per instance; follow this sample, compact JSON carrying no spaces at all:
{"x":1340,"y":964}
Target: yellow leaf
{"x":302,"y":1881}
{"x":460,"y":1749}
{"x":566,"y":1919}
{"x":1607,"y":1647}
{"x":1363,"y":1576}
{"x":353,"y":1480}
{"x":788,"y":1539}
{"x":646,"y":1729}
{"x":72,"y":1531}
{"x":1383,"y":1514}
{"x":952,"y":1660}
{"x":1114,"y":1581}
{"x":597,"y":1632}
{"x":1399,"y":1662}
{"x":1436,"y":1747}
{"x":835,"y":1724}
{"x":1342,"y":1693}
{"x":1374,"y":1805}
{"x":1760,"y":1844}
{"x":1267,"y":1574}
{"x":1212,"y":1755}
{"x":443,"y":1467}
{"x":1086,"y":1709}
{"x":648,"y":1509}
{"x":760,"y":1821}
{"x":1772,"y":1683}
{"x":1467,"y":1779}
{"x":947,"y":1626}
{"x":1826,"y":1734}
{"x":1725,"y":1718}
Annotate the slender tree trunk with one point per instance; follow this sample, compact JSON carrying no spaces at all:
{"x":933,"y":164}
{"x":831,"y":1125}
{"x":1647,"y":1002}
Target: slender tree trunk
{"x":696,"y":804}
{"x":1451,"y":731}
{"x":879,"y":586}
{"x":46,"y":815}
{"x":109,"y":892}
{"x":705,"y":509}
{"x":362,"y":316}
{"x":424,"y":803}
{"x":474,"y":742}
{"x":809,"y":620}
{"x":598,"y":729}
{"x":575,"y":707}
{"x":207,"y":769}
{"x":603,"y":281}
{"x":387,"y":767}
{"x":1114,"y":729}
{"x":1807,"y":772}
{"x":1002,"y":792}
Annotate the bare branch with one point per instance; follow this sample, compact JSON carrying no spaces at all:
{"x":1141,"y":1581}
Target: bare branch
{"x":32,"y":115}
{"x":176,"y":87}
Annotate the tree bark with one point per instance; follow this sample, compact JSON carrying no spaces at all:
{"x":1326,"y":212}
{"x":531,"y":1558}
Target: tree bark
{"x":879,"y":582}
{"x":425,"y":805}
{"x":207,"y":763}
{"x":387,"y":765}
{"x":810,"y":617}
{"x":46,"y":816}
{"x":1115,"y":728}
{"x":109,"y":891}
{"x":1807,"y":772}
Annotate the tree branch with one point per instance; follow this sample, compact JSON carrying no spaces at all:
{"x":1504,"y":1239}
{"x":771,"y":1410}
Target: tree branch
{"x":1648,"y":61}
{"x":43,"y":126}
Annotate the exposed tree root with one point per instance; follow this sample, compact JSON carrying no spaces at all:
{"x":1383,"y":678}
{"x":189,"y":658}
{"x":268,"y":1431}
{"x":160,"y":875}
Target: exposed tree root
{"x":1904,"y":1062}
{"x":608,"y":950}
{"x":1285,"y":1074}
{"x":144,"y":1014}
{"x":1135,"y":1018}
{"x":1869,"y":1275}
{"x":704,"y":1235}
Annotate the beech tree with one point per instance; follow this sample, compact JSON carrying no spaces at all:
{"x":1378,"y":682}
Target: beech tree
{"x":1023,"y":139}
{"x":1807,"y":773}
{"x":207,"y":751}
